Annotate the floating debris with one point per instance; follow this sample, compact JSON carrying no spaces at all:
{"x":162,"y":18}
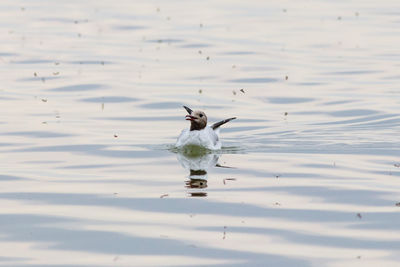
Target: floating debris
{"x":201,"y":25}
{"x":165,"y":195}
{"x":228,"y":179}
{"x":286,"y":77}
{"x":44,"y":100}
{"x":398,"y":204}
{"x":242,"y":90}
{"x":56,"y":63}
{"x":286,"y":113}
{"x":359,"y":215}
{"x":277,"y":176}
{"x":35,"y":74}
{"x":339,"y":18}
{"x":397,"y":165}
{"x":277,"y":204}
{"x":56,"y":73}
{"x":200,"y":91}
{"x":233,"y":66}
{"x":115,"y":135}
{"x":223,"y":166}
{"x":208,"y":58}
{"x":200,"y":52}
{"x":233,"y":92}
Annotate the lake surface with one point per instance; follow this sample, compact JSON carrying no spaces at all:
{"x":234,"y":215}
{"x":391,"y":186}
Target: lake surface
{"x":92,"y":94}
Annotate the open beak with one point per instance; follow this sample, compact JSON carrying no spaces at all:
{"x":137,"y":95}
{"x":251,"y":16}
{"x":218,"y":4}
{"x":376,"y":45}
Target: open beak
{"x":190,"y":118}
{"x":188,"y":110}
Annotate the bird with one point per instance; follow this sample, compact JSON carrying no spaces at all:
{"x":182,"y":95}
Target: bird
{"x":199,"y":134}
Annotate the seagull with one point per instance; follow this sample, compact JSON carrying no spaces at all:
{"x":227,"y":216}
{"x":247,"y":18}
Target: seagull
{"x":199,"y":133}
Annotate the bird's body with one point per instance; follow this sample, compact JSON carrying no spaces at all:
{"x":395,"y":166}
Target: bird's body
{"x":206,"y":137}
{"x":199,"y":133}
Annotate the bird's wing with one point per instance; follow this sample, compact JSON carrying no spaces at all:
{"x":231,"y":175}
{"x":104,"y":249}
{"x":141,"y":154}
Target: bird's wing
{"x":189,"y":110}
{"x":217,"y":124}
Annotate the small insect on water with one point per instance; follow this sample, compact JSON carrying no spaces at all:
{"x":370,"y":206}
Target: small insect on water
{"x":228,"y":179}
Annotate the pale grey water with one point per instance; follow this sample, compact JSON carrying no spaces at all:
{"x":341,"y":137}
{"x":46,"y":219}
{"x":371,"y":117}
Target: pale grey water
{"x":92,"y":95}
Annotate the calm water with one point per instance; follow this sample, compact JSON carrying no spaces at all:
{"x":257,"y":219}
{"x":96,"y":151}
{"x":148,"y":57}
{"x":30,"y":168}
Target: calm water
{"x":92,"y":94}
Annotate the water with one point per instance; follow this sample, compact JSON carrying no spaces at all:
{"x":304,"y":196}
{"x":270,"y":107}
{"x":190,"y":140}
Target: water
{"x":92,"y":96}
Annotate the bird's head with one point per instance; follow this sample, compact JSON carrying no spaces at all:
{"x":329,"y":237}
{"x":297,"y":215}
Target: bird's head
{"x":197,"y":118}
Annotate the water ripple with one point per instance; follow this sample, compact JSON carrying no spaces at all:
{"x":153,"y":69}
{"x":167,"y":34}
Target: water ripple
{"x":109,"y":99}
{"x":77,"y":88}
{"x":254,"y":80}
{"x":288,"y":100}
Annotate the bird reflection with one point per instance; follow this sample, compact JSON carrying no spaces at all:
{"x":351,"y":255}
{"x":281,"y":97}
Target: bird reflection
{"x":197,"y":164}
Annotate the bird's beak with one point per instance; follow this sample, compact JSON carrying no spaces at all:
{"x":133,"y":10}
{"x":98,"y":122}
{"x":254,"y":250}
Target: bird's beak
{"x":190,"y":118}
{"x":188,"y":110}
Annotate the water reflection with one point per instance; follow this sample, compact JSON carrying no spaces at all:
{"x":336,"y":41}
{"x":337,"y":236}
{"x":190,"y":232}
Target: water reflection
{"x":197,"y":161}
{"x":197,"y":180}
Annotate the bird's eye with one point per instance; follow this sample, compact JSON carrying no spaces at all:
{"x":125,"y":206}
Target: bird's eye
{"x":201,"y":115}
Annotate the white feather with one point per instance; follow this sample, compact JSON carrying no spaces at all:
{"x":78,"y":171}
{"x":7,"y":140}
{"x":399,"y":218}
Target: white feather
{"x":207,"y":138}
